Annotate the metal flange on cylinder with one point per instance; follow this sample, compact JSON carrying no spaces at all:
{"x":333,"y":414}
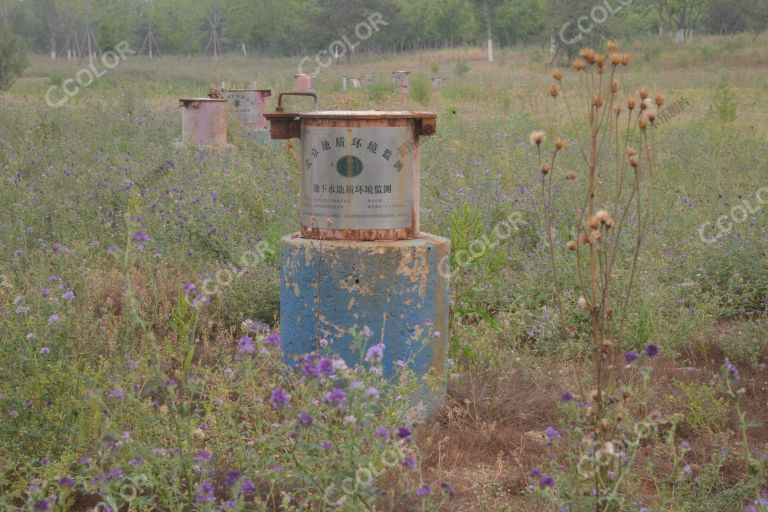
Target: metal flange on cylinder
{"x":360,"y":259}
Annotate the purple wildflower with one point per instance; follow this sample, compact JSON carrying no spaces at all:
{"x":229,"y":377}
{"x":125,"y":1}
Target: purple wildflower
{"x":136,"y":461}
{"x":409,"y":461}
{"x":423,"y":491}
{"x":205,"y":493}
{"x":140,"y":236}
{"x":189,"y":287}
{"x":547,"y":481}
{"x":304,"y":419}
{"x":551,"y":434}
{"x":115,"y":474}
{"x":448,"y":488}
{"x":68,"y":295}
{"x":279,"y":398}
{"x":117,"y":394}
{"x":42,"y":506}
{"x":53,"y":319}
{"x":536,"y":473}
{"x":372,"y":393}
{"x":382,"y":432}
{"x":65,"y":481}
{"x":375,"y":354}
{"x":651,"y":350}
{"x":247,"y":488}
{"x":336,"y":397}
{"x":326,"y":366}
{"x":232,"y":477}
{"x":245,"y":345}
{"x":202,"y":456}
{"x":403,"y":432}
{"x":630,"y":356}
{"x":733,"y":372}
{"x":567,"y":396}
{"x":273,"y":339}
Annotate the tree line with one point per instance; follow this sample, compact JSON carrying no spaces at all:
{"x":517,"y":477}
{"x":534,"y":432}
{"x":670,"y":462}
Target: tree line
{"x":74,"y":28}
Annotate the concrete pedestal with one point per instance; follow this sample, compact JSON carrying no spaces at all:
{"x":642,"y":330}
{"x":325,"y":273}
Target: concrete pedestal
{"x":393,"y":287}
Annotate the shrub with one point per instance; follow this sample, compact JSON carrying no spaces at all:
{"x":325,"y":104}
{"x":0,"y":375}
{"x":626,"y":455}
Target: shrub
{"x":461,"y":67}
{"x":13,"y":60}
{"x":421,"y":89}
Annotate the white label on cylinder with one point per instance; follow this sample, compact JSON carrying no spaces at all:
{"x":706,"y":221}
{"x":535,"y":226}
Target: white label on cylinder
{"x":357,"y":178}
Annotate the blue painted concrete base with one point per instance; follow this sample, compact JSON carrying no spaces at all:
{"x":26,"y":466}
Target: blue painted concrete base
{"x":396,"y":288}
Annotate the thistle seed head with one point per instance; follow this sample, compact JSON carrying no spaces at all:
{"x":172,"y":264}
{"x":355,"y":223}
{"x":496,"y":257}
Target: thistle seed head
{"x":536,"y":138}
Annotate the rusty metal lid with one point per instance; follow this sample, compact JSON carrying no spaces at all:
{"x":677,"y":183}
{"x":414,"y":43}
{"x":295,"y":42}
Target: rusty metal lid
{"x":268,"y":91}
{"x":186,"y":101}
{"x":366,"y":114}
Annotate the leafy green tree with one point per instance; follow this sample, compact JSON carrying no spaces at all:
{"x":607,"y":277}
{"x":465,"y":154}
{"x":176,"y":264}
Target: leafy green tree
{"x":13,"y":60}
{"x":487,"y":11}
{"x":681,"y":15}
{"x":520,"y":21}
{"x":757,"y":16}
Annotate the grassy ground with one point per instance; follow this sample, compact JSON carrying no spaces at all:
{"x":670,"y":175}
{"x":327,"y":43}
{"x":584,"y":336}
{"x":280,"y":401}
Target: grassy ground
{"x":77,"y":180}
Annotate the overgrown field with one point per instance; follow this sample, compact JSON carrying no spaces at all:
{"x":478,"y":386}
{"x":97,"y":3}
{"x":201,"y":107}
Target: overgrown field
{"x":116,"y":393}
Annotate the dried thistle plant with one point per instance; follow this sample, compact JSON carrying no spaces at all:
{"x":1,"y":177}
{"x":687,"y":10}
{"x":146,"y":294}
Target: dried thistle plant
{"x":617,"y":179}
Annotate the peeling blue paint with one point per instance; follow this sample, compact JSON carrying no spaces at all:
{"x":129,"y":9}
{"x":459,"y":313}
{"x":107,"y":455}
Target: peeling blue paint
{"x":393,"y":287}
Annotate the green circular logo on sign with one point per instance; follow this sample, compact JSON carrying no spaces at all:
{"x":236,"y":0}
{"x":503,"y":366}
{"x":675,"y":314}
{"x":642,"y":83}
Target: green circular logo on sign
{"x":349,"y":166}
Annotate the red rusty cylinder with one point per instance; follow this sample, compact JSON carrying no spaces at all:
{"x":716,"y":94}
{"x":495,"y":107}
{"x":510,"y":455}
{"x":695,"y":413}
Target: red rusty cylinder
{"x":401,"y":79}
{"x":204,"y":121}
{"x":360,"y":171}
{"x":438,"y":81}
{"x":302,"y":83}
{"x":249,"y":105}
